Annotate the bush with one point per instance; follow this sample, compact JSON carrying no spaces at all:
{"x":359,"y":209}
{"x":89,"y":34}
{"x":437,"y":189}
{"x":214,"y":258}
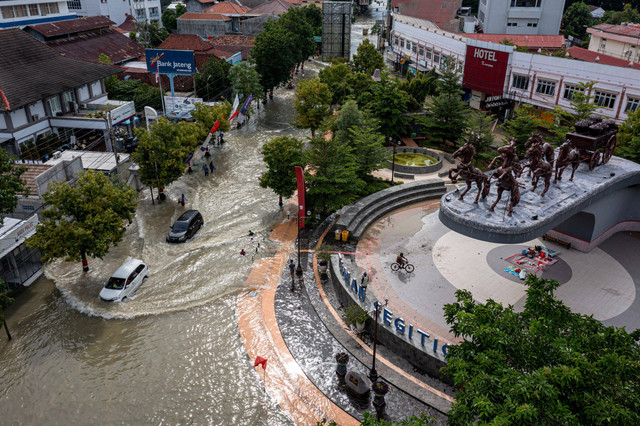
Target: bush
{"x":355,"y":314}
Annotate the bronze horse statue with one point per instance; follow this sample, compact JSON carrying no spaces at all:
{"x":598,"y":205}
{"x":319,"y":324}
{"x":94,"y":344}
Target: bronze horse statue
{"x":509,"y":159}
{"x":539,"y":166}
{"x":507,"y":182}
{"x":547,"y":150}
{"x":468,"y":173}
{"x":567,"y":154}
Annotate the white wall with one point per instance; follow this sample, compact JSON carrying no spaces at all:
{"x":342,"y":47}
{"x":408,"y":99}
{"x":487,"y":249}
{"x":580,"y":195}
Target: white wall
{"x":18,"y":118}
{"x":96,"y":88}
{"x":83,"y":93}
{"x":496,"y":14}
{"x":3,"y":123}
{"x":113,"y":9}
{"x":37,"y":108}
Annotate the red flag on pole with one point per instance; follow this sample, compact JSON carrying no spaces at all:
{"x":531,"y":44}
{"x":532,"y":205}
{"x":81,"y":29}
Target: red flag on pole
{"x":260,"y":361}
{"x":215,"y":127}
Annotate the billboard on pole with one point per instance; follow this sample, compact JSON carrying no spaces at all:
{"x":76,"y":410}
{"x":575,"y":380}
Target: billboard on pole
{"x":164,"y":61}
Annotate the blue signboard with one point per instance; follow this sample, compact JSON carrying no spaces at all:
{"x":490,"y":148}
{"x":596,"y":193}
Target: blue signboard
{"x":170,"y":61}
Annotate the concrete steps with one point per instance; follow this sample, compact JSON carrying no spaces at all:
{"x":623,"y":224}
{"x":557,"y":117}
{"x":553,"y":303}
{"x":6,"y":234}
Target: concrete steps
{"x":357,"y":217}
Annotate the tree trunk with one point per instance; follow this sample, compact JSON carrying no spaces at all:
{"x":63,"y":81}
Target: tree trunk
{"x":85,"y":264}
{"x":6,"y":329}
{"x":280,"y":201}
{"x":313,"y":133}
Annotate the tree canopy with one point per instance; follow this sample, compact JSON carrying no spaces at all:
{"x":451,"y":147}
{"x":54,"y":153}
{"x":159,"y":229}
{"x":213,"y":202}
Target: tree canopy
{"x":576,"y":20}
{"x":212,"y":82}
{"x":520,"y":127}
{"x":11,"y":183}
{"x":84,"y":219}
{"x":367,"y":59}
{"x":544,"y":365}
{"x":281,"y":155}
{"x":387,"y":104}
{"x":170,"y":17}
{"x":312,"y":104}
{"x":628,"y":14}
{"x":245,"y":79}
{"x":274,"y":55}
{"x":629,"y":137}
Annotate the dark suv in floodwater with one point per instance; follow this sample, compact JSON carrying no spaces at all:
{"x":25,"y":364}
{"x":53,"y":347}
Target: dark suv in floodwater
{"x":185,"y":227}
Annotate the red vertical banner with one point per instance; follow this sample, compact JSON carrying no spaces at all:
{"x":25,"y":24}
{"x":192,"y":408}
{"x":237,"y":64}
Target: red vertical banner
{"x":301,"y":194}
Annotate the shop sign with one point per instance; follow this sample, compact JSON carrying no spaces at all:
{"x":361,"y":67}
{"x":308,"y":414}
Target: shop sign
{"x":122,"y":113}
{"x":165,"y":61}
{"x":540,"y":115}
{"x":17,"y":232}
{"x":496,"y":102}
{"x":485,"y":70}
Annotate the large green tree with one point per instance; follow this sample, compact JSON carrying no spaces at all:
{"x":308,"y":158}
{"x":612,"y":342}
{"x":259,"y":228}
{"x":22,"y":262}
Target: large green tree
{"x":521,"y":126}
{"x":335,"y":77}
{"x":295,"y":22}
{"x":478,"y":131}
{"x":369,"y":146}
{"x":245,"y":79}
{"x":628,"y":14}
{"x":312,"y":104}
{"x":331,"y":175}
{"x":419,"y":87}
{"x":274,"y":54}
{"x":11,"y":183}
{"x":140,"y":93}
{"x":150,"y":34}
{"x":576,"y":20}
{"x":367,"y":59}
{"x":212,"y":82}
{"x":83,"y":220}
{"x":447,"y":120}
{"x":170,"y":17}
{"x":206,"y":116}
{"x":281,"y":155}
{"x":544,"y":365}
{"x":163,"y":150}
{"x":387,"y":104}
{"x":348,"y":116}
{"x":629,"y":137}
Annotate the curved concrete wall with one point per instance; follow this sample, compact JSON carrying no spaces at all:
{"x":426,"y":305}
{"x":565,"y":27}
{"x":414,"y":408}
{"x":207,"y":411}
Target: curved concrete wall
{"x":418,"y":170}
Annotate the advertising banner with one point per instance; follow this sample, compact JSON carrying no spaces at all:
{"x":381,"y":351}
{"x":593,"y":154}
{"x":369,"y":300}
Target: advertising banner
{"x":485,"y":70}
{"x":180,"y":107}
{"x":301,"y":193}
{"x":161,"y":61}
{"x":122,"y":113}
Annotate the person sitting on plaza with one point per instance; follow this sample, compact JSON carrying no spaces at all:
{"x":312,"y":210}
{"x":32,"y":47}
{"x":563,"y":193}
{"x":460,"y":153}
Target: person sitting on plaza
{"x":401,"y":260}
{"x":242,"y":252}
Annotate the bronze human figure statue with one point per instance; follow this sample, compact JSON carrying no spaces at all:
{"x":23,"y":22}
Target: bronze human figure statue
{"x":507,"y":182}
{"x":468,"y":173}
{"x":539,"y":166}
{"x":567,"y":154}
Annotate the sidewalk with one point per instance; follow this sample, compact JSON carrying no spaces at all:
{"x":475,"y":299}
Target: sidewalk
{"x":299,"y":334}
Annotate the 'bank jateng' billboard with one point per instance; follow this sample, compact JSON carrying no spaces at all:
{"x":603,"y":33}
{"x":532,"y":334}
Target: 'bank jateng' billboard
{"x":170,"y":61}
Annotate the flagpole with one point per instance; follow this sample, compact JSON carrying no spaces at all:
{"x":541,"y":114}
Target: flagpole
{"x":164,"y":111}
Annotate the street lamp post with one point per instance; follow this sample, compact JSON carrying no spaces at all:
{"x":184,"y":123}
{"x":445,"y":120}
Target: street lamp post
{"x":393,"y":162}
{"x":373,"y":374}
{"x":207,"y":83}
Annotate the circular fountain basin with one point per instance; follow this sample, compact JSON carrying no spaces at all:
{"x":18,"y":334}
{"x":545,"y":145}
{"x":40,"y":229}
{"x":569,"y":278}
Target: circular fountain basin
{"x":411,"y":161}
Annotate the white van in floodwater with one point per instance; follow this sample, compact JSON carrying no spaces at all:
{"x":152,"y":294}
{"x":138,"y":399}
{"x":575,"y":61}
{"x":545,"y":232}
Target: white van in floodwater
{"x":125,"y":281}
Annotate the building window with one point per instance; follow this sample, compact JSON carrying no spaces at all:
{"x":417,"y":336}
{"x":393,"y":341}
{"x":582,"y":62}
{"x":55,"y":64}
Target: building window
{"x":54,"y":104}
{"x":408,"y":45}
{"x":632,"y":105}
{"x":7,"y":12}
{"x":605,"y":100}
{"x":69,"y":99}
{"x":49,"y":9}
{"x":428,"y":53}
{"x":520,"y":82}
{"x":74,"y":4}
{"x":414,"y":48}
{"x":421,"y":51}
{"x":512,"y":24}
{"x":33,"y":10}
{"x":395,"y":41}
{"x":20,"y":11}
{"x":436,"y":57}
{"x":570,"y":89}
{"x":153,"y":11}
{"x":525,"y":3}
{"x":402,"y":43}
{"x":532,"y":24}
{"x":546,"y":87}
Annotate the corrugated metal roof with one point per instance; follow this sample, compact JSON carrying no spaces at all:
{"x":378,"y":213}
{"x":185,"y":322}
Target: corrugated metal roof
{"x":31,"y":70}
{"x":118,"y":47}
{"x":71,"y":26}
{"x":275,"y":7}
{"x":525,"y":40}
{"x":591,"y":56}
{"x":226,"y":8}
{"x":185,"y":42}
{"x":629,"y":30}
{"x":205,"y":16}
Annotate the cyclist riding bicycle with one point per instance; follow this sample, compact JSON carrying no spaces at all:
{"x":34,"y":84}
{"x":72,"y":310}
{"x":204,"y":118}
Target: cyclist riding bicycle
{"x":401,"y":260}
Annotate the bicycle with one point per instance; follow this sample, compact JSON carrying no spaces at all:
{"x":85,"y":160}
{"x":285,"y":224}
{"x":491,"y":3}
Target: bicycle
{"x":407,"y":267}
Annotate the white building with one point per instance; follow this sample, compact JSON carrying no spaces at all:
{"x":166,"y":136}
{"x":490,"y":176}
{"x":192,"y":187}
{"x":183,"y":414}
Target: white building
{"x":18,"y":13}
{"x":117,"y":10}
{"x":497,"y":76}
{"x":541,"y":17}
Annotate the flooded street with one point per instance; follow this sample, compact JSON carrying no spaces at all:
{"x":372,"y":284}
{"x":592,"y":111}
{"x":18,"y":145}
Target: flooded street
{"x":170,"y":354}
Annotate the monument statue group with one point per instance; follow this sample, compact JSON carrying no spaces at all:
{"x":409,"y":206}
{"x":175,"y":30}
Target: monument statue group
{"x":593,"y":141}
